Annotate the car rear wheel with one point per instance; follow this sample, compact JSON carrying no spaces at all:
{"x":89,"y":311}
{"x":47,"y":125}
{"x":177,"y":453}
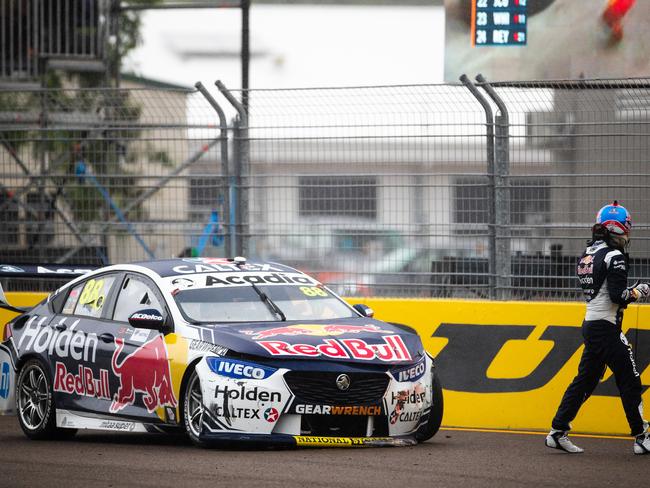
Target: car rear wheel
{"x":193,"y":408}
{"x":35,"y":403}
{"x":432,"y":425}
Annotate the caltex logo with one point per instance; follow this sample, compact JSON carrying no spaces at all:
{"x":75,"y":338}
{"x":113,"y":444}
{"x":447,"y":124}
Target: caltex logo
{"x":271,"y":414}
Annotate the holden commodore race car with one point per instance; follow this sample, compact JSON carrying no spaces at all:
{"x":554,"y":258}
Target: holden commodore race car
{"x":228,"y":350}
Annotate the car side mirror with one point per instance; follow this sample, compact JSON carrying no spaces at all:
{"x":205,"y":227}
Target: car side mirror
{"x":147,"y":319}
{"x":364,"y":310}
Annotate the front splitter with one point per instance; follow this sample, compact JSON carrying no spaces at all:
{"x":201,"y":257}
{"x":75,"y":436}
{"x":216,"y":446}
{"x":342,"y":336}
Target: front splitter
{"x":233,"y":439}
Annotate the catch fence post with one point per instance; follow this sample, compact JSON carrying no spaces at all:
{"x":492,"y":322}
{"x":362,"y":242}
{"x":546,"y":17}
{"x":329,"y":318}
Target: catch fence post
{"x":489,"y":130}
{"x":241,"y":169}
{"x":501,"y":193}
{"x":229,"y":242}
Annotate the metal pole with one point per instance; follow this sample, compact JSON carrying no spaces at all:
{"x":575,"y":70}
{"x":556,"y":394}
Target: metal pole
{"x":245,"y":51}
{"x":181,"y":5}
{"x":240,"y":199}
{"x":502,"y":192}
{"x":489,"y":132}
{"x":113,"y":65}
{"x":223,"y":123}
{"x":44,"y":166}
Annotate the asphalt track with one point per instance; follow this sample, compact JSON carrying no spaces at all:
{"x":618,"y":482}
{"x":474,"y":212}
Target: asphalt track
{"x":453,"y":458}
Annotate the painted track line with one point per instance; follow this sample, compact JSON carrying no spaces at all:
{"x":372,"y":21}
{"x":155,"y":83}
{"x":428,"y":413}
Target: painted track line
{"x":531,"y":432}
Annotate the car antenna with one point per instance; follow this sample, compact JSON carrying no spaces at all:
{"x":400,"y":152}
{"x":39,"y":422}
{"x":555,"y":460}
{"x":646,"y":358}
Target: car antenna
{"x":239,"y":261}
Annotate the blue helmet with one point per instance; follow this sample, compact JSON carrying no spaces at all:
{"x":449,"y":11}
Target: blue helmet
{"x":615,"y":218}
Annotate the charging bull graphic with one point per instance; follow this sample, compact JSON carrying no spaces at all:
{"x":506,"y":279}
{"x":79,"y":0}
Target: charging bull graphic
{"x":314,"y":330}
{"x":145,"y":370}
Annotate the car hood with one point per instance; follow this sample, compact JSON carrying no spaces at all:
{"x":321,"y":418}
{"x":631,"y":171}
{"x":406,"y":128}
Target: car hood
{"x":361,"y":340}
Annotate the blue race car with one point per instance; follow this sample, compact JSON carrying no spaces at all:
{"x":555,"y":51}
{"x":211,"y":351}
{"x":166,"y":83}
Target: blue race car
{"x":226,"y":349}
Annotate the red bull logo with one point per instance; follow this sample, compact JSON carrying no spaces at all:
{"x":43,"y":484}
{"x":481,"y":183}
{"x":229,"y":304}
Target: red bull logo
{"x":391,"y":349}
{"x":145,"y":370}
{"x":314,"y":330}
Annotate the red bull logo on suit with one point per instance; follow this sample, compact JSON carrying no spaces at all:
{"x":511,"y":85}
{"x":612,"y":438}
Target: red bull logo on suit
{"x":145,"y":370}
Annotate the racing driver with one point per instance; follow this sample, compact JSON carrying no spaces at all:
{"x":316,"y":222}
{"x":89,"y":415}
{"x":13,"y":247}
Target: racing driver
{"x":602,"y":272}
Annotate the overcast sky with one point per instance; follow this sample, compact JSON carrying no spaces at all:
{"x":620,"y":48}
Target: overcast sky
{"x":294,"y":45}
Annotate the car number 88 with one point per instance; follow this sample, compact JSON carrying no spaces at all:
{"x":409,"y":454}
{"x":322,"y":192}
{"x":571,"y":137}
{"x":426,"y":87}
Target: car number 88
{"x":91,"y":293}
{"x":313,"y":291}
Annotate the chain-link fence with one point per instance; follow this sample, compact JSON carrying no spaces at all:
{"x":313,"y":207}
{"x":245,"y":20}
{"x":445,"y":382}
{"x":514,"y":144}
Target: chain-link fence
{"x":106,"y":176}
{"x":454,"y":190}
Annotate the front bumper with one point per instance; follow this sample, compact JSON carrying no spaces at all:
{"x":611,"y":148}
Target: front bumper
{"x":277,"y":407}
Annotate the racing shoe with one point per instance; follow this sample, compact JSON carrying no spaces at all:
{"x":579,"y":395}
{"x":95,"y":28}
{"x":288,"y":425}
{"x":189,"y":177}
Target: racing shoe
{"x":558,"y":439}
{"x":642,"y":444}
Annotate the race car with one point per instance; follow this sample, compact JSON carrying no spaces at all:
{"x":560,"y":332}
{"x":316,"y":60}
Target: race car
{"x":226,"y":349}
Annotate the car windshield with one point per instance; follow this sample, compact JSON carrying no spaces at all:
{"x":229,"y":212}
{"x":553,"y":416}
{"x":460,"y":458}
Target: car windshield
{"x":244,"y":304}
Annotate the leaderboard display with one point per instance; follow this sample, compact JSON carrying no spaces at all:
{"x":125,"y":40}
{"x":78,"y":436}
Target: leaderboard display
{"x":499,"y":22}
{"x":554,"y":39}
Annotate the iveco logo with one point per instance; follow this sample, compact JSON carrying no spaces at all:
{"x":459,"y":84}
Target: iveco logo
{"x":343,"y":382}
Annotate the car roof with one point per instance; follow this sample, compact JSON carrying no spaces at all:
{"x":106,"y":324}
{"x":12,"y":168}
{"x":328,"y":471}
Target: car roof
{"x":185,"y":266}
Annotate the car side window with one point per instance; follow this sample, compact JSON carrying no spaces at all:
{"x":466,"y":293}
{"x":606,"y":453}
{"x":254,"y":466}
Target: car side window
{"x":71,"y":301}
{"x":135,"y":295}
{"x":88,"y":298}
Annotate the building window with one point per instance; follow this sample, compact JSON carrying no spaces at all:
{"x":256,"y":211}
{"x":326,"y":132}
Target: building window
{"x":530,"y":203}
{"x":341,"y":196}
{"x":471,"y":203}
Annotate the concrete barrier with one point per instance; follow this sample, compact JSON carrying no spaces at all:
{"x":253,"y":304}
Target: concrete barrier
{"x":504,"y":365}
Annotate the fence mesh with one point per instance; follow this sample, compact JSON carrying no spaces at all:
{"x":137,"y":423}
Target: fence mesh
{"x":411,"y":191}
{"x":356,"y":185}
{"x":104,"y":176}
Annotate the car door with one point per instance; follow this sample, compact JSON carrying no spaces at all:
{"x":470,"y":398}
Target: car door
{"x":139,"y":362}
{"x":80,"y":381}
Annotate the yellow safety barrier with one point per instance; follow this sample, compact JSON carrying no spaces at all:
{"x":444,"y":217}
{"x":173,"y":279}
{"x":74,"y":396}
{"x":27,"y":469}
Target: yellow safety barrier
{"x":19,"y":299}
{"x":504,"y":365}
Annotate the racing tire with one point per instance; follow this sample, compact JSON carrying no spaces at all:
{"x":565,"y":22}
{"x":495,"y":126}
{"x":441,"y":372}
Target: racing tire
{"x":35,"y":404}
{"x":432,"y":424}
{"x":192,"y":409}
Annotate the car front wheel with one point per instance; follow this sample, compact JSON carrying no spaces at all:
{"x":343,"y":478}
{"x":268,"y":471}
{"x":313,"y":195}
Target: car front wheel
{"x":193,"y":408}
{"x":432,"y":424}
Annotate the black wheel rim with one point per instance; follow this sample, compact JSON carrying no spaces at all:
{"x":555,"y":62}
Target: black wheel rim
{"x":194,"y":406}
{"x":33,"y":397}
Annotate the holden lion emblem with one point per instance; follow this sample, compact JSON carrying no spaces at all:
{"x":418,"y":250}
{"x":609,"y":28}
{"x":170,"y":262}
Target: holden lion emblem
{"x":343,"y":382}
